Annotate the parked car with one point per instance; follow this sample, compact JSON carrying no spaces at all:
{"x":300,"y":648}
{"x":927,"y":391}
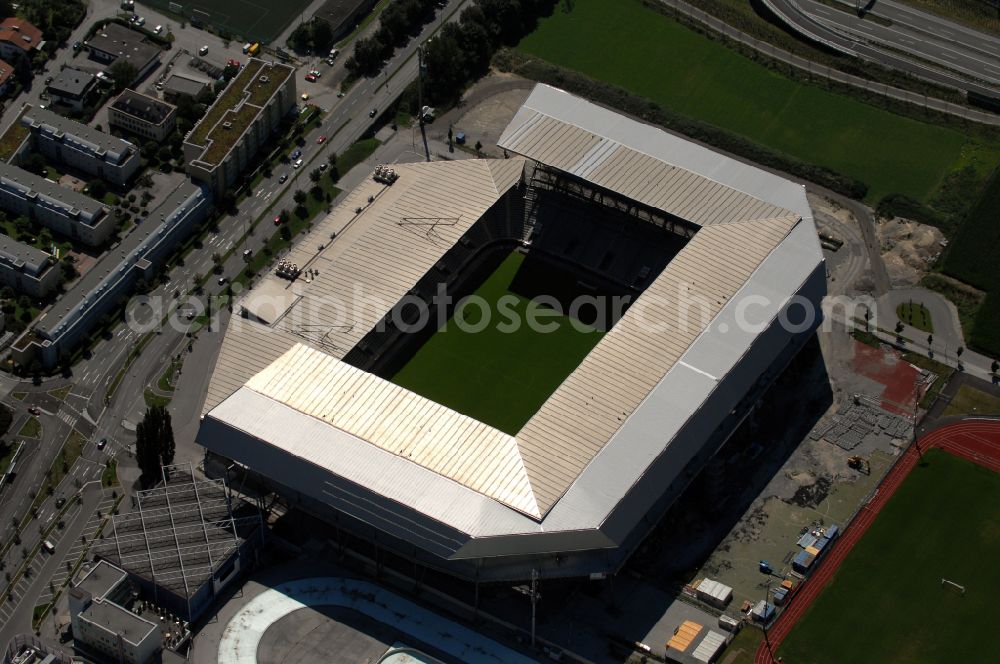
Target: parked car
{"x":310,"y":77}
{"x":158,"y":29}
{"x":49,"y":547}
{"x":330,"y":61}
{"x":34,"y":410}
{"x":333,"y":53}
{"x":315,"y":72}
{"x":140,"y":21}
{"x":372,"y":113}
{"x":48,"y":79}
{"x":203,"y":50}
{"x":222,"y":281}
{"x":283,"y":178}
{"x":277,"y":220}
{"x":296,"y":153}
{"x":321,"y":140}
{"x":305,"y":96}
{"x":77,"y":46}
{"x":60,"y":501}
{"x":298,"y":162}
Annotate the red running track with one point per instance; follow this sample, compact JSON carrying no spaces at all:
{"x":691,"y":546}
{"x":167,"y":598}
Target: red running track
{"x":977,"y":440}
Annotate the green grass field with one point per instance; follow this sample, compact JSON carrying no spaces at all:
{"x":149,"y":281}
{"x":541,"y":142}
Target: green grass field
{"x":259,"y":20}
{"x":915,"y":315}
{"x":886,"y":604}
{"x":706,"y":80}
{"x":495,"y":376}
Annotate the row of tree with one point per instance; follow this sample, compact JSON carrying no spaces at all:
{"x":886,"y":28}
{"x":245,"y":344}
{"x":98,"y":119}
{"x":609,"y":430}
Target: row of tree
{"x":154,"y":444}
{"x":462,"y":50}
{"x":399,"y":22}
{"x":315,"y":36}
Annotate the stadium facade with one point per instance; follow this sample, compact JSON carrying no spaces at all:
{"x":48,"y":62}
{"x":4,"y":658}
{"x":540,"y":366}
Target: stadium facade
{"x":300,"y":395}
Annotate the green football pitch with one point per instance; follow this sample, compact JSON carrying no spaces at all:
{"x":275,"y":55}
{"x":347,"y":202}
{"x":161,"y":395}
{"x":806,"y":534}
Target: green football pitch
{"x":257,"y":20}
{"x":501,"y":374}
{"x":886,"y":603}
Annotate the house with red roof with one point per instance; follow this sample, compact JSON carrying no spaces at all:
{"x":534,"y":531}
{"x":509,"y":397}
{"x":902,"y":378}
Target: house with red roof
{"x":6,"y":76}
{"x":18,"y":38}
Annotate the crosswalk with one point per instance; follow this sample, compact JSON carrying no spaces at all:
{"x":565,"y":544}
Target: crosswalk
{"x":68,"y":418}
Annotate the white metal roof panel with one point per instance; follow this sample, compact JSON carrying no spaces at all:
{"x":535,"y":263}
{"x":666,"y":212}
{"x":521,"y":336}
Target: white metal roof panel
{"x":400,"y":422}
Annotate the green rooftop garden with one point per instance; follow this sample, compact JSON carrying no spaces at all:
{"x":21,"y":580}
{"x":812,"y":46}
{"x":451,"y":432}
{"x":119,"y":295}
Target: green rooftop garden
{"x":13,"y":137}
{"x":226,"y":101}
{"x":246,"y":83}
{"x":223,"y":138}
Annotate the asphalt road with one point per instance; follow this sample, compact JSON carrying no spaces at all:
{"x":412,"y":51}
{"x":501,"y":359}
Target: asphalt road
{"x":791,"y":14}
{"x":972,"y":54}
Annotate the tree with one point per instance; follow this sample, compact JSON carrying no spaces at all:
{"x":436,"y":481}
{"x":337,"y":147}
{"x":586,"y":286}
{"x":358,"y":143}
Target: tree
{"x":97,"y":189}
{"x":123,"y":72}
{"x":315,"y":174}
{"x":154,"y":443}
{"x":322,"y":36}
{"x":299,"y":196}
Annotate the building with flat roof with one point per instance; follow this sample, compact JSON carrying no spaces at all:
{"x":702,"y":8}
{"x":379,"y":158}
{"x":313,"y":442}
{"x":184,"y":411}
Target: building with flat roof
{"x":244,"y":117}
{"x":66,"y":141}
{"x":18,"y":39}
{"x":142,"y":115}
{"x":343,"y":15}
{"x":184,"y":542}
{"x":26,"y":269}
{"x":716,"y":255}
{"x":138,"y":256}
{"x":61,"y":209}
{"x":72,"y":87}
{"x":177,"y":86}
{"x":102,"y":618}
{"x":115,"y":41}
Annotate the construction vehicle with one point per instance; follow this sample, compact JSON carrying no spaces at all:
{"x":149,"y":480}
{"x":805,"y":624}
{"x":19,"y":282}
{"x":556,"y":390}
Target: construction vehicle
{"x":860,"y":464}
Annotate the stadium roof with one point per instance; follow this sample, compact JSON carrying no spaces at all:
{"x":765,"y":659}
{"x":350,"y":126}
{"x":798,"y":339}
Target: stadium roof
{"x":624,"y":403}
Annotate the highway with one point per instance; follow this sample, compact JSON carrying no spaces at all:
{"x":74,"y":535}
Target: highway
{"x":792,"y":14}
{"x":922,"y":35}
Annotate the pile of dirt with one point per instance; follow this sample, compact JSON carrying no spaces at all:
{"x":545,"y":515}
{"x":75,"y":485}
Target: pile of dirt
{"x":909,"y":250}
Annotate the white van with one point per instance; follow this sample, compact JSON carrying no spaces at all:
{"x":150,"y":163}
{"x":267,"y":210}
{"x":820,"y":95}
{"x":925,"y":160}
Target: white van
{"x":246,"y":47}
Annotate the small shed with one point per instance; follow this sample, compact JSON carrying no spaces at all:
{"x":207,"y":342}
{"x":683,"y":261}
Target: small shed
{"x":803,"y":561}
{"x":715,"y":593}
{"x":832,"y":531}
{"x":763,"y":611}
{"x":728,"y":623}
{"x":684,"y":635}
{"x":710,"y":647}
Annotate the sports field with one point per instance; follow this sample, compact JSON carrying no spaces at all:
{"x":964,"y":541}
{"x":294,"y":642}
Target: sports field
{"x":502,"y":374}
{"x":649,"y":54}
{"x":257,"y":20}
{"x":886,"y":604}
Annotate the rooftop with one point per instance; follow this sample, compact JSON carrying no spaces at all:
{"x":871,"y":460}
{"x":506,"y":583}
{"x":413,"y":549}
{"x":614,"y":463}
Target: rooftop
{"x":6,"y":71}
{"x":179,"y":84}
{"x":19,"y":32}
{"x":113,"y":261}
{"x":70,"y":202}
{"x":71,"y":82}
{"x":118,"y":620}
{"x":101,"y":579}
{"x":117,"y":40}
{"x":145,"y":108}
{"x":238,"y":105}
{"x":180,"y":533}
{"x":20,"y":255}
{"x":626,"y":400}
{"x":111,"y":149}
{"x":335,"y":12}
{"x":14,"y":136}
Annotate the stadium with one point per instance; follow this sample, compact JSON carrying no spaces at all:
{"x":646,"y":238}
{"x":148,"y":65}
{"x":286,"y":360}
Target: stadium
{"x":371,"y":382}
